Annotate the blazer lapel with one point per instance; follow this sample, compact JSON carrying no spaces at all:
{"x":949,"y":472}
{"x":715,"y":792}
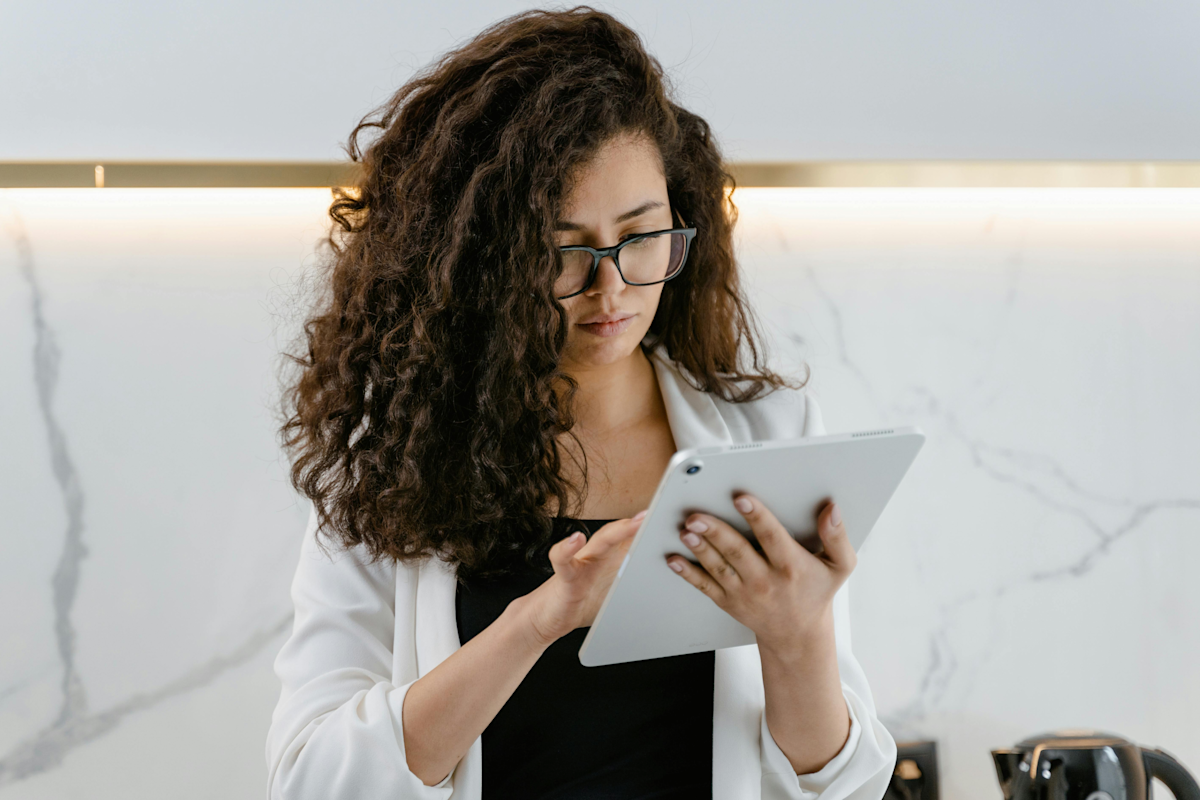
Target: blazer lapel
{"x":691,"y":413}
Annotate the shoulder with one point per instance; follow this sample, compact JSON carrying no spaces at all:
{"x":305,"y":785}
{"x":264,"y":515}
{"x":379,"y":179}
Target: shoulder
{"x":782,"y":413}
{"x":329,"y":565}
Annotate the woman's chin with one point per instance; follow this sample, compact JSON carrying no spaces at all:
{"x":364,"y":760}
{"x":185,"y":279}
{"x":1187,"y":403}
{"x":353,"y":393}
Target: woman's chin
{"x":588,"y":351}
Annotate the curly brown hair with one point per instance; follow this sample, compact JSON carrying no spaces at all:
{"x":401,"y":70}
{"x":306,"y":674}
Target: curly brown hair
{"x":425,"y":416}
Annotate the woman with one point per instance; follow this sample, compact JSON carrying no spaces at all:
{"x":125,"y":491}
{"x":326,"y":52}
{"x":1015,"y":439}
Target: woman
{"x":492,"y":373}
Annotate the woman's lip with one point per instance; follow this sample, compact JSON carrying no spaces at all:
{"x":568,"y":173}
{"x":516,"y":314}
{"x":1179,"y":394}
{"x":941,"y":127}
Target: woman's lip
{"x":607,"y":328}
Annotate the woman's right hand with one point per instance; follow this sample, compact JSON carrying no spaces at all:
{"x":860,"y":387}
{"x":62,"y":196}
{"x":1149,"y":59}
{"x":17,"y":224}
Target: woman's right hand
{"x":584,"y":570}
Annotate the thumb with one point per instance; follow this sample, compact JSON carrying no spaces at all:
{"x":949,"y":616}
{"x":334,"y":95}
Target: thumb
{"x":838,"y":550}
{"x":563,"y":552}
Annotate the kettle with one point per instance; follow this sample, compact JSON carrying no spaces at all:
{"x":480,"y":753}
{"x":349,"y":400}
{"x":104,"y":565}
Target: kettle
{"x":1087,"y":765}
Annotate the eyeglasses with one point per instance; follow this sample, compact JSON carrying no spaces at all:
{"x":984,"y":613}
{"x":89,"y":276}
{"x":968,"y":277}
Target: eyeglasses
{"x":642,"y":260}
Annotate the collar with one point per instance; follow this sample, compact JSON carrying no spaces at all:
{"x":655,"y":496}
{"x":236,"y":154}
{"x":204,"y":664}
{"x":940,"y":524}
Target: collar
{"x":692,"y":414}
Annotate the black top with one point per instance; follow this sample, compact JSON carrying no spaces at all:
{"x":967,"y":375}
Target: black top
{"x":632,"y":731}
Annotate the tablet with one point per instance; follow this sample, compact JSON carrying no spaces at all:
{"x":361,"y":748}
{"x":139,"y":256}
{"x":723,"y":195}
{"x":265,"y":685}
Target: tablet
{"x":651,"y":612}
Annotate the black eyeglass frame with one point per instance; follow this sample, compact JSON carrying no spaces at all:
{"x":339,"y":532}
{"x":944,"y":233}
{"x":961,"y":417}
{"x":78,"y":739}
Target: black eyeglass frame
{"x":598,"y":254}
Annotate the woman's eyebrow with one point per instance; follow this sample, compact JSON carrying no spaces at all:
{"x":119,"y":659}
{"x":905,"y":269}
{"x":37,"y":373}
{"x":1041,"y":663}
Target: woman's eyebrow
{"x":649,"y":205}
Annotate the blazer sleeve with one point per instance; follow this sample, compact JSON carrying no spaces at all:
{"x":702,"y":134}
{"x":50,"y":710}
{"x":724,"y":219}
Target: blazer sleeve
{"x":863,"y":768}
{"x":336,"y":732}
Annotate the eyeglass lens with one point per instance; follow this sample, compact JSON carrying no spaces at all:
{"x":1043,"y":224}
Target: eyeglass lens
{"x":654,"y":258}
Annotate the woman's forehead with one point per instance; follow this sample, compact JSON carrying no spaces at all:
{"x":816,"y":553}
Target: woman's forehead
{"x":624,"y":179}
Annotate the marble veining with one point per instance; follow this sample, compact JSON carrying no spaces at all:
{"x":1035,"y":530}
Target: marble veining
{"x":47,"y":749}
{"x":46,"y":359}
{"x":44,"y":748}
{"x":1023,"y":470}
{"x":1037,"y":474}
{"x":75,"y":725}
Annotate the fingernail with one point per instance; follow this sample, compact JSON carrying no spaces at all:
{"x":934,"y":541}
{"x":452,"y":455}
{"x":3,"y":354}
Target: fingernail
{"x":691,"y":539}
{"x":576,"y":536}
{"x":697,"y":525}
{"x":835,"y":516}
{"x":640,"y":515}
{"x":743,"y":505}
{"x":675,"y":565}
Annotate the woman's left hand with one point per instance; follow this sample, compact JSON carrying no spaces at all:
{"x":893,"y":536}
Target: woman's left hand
{"x":785,"y":597}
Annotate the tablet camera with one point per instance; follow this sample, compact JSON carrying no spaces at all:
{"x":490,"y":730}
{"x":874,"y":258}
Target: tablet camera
{"x":693,"y":467}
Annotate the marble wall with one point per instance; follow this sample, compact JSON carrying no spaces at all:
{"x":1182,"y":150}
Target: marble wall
{"x":1032,"y":573}
{"x":1036,"y":569}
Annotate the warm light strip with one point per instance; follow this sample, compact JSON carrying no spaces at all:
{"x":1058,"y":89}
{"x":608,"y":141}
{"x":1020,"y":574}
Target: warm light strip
{"x":966,"y":174}
{"x":173,"y":174}
{"x":949,"y":174}
{"x":996,"y":219}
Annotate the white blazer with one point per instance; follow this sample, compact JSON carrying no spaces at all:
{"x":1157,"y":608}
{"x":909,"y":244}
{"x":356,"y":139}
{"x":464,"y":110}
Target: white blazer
{"x":363,"y":633}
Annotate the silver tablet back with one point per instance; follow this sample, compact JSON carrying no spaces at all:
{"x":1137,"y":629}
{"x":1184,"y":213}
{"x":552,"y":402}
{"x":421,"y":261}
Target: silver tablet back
{"x":651,"y":612}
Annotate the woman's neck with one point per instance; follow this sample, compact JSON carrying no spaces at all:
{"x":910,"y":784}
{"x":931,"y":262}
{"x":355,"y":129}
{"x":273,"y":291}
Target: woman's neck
{"x":616,"y":396}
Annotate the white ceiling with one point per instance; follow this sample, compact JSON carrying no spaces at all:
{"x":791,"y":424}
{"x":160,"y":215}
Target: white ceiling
{"x":861,"y":79}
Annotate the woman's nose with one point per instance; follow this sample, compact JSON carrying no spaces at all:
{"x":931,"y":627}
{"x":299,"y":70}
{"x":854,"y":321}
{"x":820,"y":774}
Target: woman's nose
{"x":608,"y":277}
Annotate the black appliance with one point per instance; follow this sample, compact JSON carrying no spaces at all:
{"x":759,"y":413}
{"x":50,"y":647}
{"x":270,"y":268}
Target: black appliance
{"x":1087,"y":765}
{"x":916,"y":774}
